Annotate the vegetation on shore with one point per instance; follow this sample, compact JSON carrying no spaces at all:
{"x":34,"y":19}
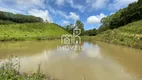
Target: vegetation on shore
{"x":123,"y":27}
{"x":30,"y":31}
{"x":9,"y":70}
{"x":128,"y":35}
{"x":122,"y":17}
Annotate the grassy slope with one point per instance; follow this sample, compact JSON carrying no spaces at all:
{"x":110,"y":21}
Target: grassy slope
{"x":30,"y":31}
{"x":129,"y":35}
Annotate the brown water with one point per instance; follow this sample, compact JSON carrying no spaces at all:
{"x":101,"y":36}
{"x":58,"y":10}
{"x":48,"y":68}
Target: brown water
{"x":97,"y":61}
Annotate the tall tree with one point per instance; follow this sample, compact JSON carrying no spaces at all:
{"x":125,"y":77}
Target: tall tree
{"x":80,"y":25}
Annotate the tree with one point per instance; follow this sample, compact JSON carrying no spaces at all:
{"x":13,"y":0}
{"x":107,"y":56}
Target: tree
{"x":69,"y":28}
{"x":79,"y":25}
{"x":92,"y":32}
{"x":140,"y":1}
{"x":19,"y":18}
{"x":122,"y":17}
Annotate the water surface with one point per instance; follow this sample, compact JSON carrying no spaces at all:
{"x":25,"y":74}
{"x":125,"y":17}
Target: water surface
{"x":97,"y":61}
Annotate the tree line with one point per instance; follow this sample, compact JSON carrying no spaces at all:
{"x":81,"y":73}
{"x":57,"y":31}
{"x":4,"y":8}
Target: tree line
{"x":122,"y":17}
{"x":7,"y":17}
{"x":79,"y":25}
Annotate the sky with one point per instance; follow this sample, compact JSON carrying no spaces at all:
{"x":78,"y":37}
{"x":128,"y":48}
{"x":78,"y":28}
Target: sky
{"x":64,"y":12}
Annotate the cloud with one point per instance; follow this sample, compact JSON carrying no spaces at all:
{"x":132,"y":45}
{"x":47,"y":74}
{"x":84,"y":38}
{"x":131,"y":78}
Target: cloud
{"x":66,"y":22}
{"x":97,"y":4}
{"x":76,"y":6}
{"x":71,"y":3}
{"x":22,"y":5}
{"x":11,"y":10}
{"x":44,"y":14}
{"x":60,"y":2}
{"x":85,"y":5}
{"x":95,"y":19}
{"x":57,"y":13}
{"x":63,"y":14}
{"x":31,"y":3}
{"x":117,"y":4}
{"x":73,"y":16}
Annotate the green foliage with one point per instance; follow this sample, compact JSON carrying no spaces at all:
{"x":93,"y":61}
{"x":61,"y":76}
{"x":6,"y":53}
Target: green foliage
{"x":30,"y":31}
{"x":140,"y":1}
{"x":129,"y":35}
{"x":122,"y":17}
{"x":90,"y":32}
{"x":69,"y":28}
{"x":18,"y":18}
{"x":6,"y":22}
{"x":78,"y":24}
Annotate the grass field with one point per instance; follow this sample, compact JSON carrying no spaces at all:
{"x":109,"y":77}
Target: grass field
{"x":129,"y":35}
{"x":30,"y":31}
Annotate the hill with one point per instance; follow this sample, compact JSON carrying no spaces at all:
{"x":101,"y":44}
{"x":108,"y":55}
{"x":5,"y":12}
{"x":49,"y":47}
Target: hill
{"x":9,"y":18}
{"x":129,"y":35}
{"x":30,"y":31}
{"x":122,"y":17}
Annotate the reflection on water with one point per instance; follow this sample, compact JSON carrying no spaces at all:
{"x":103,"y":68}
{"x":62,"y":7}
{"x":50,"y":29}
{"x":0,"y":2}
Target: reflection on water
{"x":95,"y":62}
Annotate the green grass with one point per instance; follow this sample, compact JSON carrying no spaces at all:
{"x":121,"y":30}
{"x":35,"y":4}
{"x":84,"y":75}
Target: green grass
{"x":129,"y":35}
{"x":30,"y":31}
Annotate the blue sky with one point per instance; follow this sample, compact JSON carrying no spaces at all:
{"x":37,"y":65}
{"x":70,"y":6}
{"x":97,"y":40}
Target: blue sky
{"x":64,"y":12}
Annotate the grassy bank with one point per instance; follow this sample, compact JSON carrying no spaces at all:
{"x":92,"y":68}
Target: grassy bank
{"x":129,"y":35}
{"x":30,"y":31}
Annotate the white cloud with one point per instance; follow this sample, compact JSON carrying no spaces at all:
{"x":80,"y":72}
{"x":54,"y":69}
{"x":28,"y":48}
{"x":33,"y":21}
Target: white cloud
{"x":40,"y":13}
{"x":11,"y":10}
{"x":73,"y":16}
{"x":76,"y":6}
{"x":97,"y":4}
{"x":117,"y":4}
{"x":25,"y":5}
{"x":31,"y":2}
{"x":66,"y":22}
{"x":22,"y":5}
{"x":58,"y":13}
{"x":60,"y":2}
{"x":95,"y":19}
{"x":88,"y":4}
{"x":62,"y":14}
{"x":71,"y":3}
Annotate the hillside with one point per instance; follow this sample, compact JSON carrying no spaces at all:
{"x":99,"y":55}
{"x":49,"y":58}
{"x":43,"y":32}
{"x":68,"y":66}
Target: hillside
{"x":9,"y":18}
{"x":122,"y":17}
{"x":30,"y":31}
{"x":129,"y":35}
